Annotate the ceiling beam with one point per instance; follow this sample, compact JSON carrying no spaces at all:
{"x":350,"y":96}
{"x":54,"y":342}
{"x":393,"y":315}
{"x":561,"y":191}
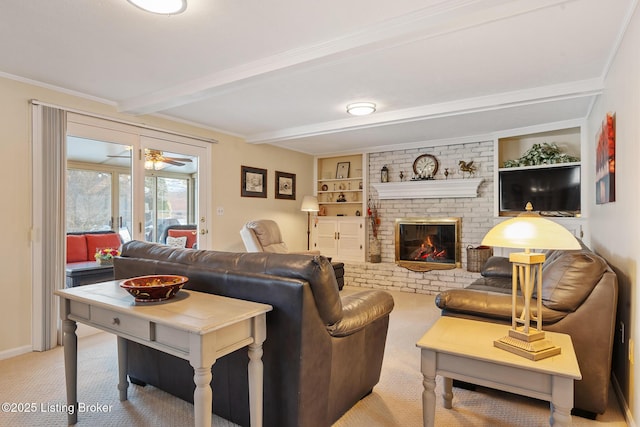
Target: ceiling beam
{"x":579,"y":89}
{"x":432,"y":21}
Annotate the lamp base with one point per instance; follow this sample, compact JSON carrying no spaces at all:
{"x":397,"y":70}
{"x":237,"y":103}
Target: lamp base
{"x":533,"y":346}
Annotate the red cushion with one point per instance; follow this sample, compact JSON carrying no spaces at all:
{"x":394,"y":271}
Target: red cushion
{"x":76,"y":248}
{"x":191,"y":235}
{"x":101,"y":241}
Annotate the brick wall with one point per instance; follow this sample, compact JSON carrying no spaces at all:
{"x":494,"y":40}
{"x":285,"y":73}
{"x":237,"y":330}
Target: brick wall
{"x":476,"y":214}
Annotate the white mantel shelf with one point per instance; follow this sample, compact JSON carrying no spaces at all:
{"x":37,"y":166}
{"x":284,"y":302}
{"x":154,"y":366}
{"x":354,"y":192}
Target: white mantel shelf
{"x":429,"y":189}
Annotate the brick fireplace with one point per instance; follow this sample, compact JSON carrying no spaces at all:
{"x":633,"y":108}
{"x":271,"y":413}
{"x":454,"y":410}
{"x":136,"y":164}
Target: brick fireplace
{"x":476,"y":214}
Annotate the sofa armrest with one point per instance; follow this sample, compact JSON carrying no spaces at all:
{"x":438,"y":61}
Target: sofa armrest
{"x":361,"y":309}
{"x":484,"y":304}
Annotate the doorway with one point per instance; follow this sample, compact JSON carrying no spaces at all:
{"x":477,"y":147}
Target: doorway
{"x":104,"y":165}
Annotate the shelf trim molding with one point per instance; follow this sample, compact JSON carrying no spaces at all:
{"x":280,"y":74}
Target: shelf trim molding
{"x":429,"y":189}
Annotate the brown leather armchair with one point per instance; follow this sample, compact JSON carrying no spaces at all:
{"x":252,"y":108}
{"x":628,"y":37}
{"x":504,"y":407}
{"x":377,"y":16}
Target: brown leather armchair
{"x":323,"y":351}
{"x":579,"y":298}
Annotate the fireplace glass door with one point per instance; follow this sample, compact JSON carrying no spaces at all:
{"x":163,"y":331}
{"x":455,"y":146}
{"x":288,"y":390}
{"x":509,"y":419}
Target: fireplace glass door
{"x":424,"y":244}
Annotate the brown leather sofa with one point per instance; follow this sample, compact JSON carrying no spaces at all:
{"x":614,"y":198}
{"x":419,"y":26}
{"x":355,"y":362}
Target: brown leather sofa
{"x":323,"y":351}
{"x":579,"y":298}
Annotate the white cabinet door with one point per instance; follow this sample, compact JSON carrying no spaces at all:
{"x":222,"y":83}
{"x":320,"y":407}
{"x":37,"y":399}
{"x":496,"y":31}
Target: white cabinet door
{"x":340,"y":238}
{"x":351,"y":239}
{"x":325,"y":237}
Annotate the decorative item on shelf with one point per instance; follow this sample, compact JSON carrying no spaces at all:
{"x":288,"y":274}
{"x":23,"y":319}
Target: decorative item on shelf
{"x":309,"y":204}
{"x":341,"y":198}
{"x":528,"y":231}
{"x":401,"y":176}
{"x":384,"y":174}
{"x":469,"y":168}
{"x":425,"y":166}
{"x":422,"y":178}
{"x":376,"y":246}
{"x":104,"y":256}
{"x":154,"y":288}
{"x":325,"y":187}
{"x":541,"y":154}
{"x":341,"y":186}
{"x":358,"y":213}
{"x":446,"y":173}
{"x":360,"y":185}
{"x":342,"y":170}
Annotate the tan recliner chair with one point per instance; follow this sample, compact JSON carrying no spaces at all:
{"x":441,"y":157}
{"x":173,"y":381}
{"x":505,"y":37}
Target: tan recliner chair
{"x":263,"y":235}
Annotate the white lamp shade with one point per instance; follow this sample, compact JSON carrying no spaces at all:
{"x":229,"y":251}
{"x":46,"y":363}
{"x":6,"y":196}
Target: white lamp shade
{"x":530,"y":231}
{"x":310,"y":204}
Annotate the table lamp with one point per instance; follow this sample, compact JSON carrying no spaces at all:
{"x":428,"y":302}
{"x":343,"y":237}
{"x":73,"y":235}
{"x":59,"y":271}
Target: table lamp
{"x":309,"y":204}
{"x":528,"y":231}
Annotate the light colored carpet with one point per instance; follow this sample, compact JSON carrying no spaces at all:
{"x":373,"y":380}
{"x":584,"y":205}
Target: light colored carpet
{"x":38,"y":378}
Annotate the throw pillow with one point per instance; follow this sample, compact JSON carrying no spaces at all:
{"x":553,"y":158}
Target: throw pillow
{"x":191,"y":235}
{"x":101,"y":241}
{"x":76,"y":248}
{"x":177,"y":242}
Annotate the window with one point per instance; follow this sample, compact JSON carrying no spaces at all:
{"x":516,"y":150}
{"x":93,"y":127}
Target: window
{"x":88,"y":200}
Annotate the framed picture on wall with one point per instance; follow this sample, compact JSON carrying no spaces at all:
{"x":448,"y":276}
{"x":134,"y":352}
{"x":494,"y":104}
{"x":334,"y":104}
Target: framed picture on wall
{"x":253,"y":182}
{"x":606,"y":161}
{"x":285,"y":185}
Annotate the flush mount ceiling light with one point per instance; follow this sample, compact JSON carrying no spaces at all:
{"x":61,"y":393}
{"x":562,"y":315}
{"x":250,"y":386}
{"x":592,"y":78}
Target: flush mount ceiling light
{"x":361,"y":108}
{"x":164,"y":7}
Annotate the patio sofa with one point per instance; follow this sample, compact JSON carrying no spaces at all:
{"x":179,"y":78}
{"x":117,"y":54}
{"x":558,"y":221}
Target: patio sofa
{"x":81,"y":267}
{"x":579,"y":298}
{"x":323,"y":351}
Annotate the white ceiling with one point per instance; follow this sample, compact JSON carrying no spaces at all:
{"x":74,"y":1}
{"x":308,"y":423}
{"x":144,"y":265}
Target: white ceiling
{"x":282,"y":71}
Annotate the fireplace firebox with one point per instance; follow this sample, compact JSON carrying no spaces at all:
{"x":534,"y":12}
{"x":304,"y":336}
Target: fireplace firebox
{"x":424,"y":244}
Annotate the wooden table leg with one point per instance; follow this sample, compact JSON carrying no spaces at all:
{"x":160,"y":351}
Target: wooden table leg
{"x":202,"y":357}
{"x":123,"y":383}
{"x":561,"y":402}
{"x":447,"y":395}
{"x":202,"y":396}
{"x":428,"y":368}
{"x":70,"y":342}
{"x":256,"y":372}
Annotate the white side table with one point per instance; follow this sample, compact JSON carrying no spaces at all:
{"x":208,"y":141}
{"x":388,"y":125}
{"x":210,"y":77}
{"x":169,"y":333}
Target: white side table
{"x":463,"y":349}
{"x":195,"y":326}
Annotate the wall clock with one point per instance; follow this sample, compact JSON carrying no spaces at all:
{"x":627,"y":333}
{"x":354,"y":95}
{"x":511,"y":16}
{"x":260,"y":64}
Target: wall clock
{"x":425,"y":165}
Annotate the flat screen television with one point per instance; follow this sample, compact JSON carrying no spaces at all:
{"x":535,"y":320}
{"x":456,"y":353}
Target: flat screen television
{"x":552,"y":191}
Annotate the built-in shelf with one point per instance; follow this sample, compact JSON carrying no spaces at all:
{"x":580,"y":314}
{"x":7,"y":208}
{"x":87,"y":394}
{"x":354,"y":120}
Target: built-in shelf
{"x":429,"y":189}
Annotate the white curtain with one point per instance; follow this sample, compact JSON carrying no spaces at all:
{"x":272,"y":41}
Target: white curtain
{"x":49,"y":250}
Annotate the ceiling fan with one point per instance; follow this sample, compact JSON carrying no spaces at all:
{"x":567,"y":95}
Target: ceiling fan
{"x":154,"y":159}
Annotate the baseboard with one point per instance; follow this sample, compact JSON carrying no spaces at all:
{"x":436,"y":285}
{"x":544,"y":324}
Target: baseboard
{"x":13,"y":352}
{"x":624,"y":406}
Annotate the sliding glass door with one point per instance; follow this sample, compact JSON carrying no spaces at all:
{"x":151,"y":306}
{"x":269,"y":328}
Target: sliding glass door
{"x":143,"y":187}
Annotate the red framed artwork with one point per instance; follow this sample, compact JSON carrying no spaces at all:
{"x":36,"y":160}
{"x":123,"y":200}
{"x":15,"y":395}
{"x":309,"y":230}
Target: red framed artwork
{"x":606,"y":161}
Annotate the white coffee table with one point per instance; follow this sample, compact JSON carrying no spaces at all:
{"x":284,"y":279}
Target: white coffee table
{"x":463,"y":349}
{"x":195,"y":326}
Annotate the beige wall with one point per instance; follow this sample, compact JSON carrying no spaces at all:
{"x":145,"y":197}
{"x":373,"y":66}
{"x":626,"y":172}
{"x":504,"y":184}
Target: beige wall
{"x":615,"y":226}
{"x":227,"y":156}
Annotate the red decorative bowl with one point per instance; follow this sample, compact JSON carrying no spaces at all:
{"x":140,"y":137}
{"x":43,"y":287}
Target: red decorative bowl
{"x":154,"y":288}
